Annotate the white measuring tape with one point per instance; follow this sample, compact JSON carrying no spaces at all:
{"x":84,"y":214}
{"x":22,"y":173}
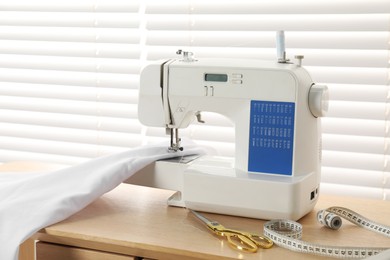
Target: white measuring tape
{"x":287,"y":234}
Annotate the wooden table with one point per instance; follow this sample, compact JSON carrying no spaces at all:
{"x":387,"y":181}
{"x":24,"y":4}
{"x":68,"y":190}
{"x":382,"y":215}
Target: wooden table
{"x":134,"y":221}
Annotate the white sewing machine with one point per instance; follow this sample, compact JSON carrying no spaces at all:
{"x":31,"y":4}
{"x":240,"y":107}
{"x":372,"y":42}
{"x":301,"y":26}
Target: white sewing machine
{"x":275,"y":107}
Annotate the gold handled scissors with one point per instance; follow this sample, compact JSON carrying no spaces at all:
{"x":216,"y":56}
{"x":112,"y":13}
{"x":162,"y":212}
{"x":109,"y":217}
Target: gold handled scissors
{"x":240,"y":240}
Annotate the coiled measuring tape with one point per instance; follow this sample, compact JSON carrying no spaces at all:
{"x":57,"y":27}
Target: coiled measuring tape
{"x":287,"y":234}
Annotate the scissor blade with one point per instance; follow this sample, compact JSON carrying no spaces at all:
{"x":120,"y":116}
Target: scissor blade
{"x":201,"y":217}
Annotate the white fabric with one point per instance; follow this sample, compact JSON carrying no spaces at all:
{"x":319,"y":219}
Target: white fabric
{"x":31,"y":201}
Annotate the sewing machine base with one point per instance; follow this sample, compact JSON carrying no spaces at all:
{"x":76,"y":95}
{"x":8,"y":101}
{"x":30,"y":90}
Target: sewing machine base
{"x":211,"y":184}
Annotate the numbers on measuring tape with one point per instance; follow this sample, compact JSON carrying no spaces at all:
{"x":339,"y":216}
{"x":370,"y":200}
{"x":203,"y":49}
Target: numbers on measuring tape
{"x":353,"y":217}
{"x":287,"y":234}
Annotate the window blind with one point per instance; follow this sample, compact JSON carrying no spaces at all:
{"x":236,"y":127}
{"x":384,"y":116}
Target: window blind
{"x":68,"y":79}
{"x":69,"y":75}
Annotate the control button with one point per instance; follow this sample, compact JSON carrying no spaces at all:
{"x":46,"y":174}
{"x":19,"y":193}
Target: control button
{"x":237,"y":76}
{"x":237,"y":81}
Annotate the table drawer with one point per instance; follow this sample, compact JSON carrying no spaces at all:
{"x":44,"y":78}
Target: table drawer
{"x":48,"y":251}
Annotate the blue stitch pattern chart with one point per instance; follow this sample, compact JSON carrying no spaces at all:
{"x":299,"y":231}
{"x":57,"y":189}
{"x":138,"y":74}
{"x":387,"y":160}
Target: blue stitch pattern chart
{"x":271,"y":137}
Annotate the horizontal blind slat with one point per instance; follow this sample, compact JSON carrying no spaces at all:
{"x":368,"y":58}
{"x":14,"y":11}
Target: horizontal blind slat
{"x":70,"y":19}
{"x":91,"y":122}
{"x":359,"y":110}
{"x":354,"y":191}
{"x":321,"y":63}
{"x":82,"y":93}
{"x":353,"y":126}
{"x":69,"y":106}
{"x":346,"y":40}
{"x":354,"y":177}
{"x":74,"y":78}
{"x":71,"y":5}
{"x":70,"y":34}
{"x":53,"y":147}
{"x":313,"y":57}
{"x":353,"y":160}
{"x":14,"y":155}
{"x":293,"y":22}
{"x":79,"y":64}
{"x":72,"y":135}
{"x":87,"y":151}
{"x":77,"y":49}
{"x":358,"y":92}
{"x":349,"y":75}
{"x":350,"y":143}
{"x":267,"y":7}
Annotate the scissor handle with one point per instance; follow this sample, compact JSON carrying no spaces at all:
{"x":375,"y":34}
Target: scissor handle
{"x":261,"y":241}
{"x":241,"y":242}
{"x":258,"y":240}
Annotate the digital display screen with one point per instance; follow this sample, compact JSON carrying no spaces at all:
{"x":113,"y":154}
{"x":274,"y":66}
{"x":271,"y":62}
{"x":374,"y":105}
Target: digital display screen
{"x":216,"y":77}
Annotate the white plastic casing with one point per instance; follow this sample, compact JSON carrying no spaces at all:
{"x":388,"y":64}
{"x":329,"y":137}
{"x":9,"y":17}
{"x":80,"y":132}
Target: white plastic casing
{"x":223,"y":185}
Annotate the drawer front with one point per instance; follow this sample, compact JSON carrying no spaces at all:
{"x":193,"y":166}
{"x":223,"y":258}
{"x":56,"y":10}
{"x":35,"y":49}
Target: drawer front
{"x":48,"y":251}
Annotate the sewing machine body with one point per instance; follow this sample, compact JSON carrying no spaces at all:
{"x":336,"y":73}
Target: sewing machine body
{"x":276,"y":169}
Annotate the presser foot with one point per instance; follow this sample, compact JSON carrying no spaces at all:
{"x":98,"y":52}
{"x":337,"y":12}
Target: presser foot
{"x":175,"y":140}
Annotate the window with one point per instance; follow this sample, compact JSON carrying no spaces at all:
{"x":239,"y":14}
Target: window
{"x":69,"y":75}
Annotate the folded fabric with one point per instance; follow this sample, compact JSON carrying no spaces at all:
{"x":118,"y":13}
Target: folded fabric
{"x":31,"y":201}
